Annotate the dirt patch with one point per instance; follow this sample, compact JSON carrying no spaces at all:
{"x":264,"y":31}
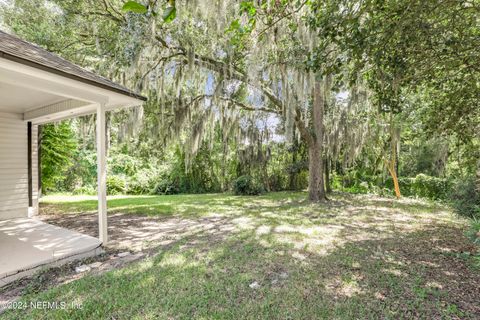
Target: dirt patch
{"x":138,"y":232}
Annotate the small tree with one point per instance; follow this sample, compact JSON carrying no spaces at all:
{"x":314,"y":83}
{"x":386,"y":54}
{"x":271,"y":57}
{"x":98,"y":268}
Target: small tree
{"x":58,"y":147}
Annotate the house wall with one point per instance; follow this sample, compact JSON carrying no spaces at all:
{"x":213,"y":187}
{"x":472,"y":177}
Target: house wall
{"x":13,"y":166}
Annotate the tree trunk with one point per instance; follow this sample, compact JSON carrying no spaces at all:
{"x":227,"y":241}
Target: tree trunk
{"x":268,"y":187}
{"x":328,"y":186}
{"x":393,"y":173}
{"x":392,"y":164}
{"x":316,"y":192}
{"x":292,"y":175}
{"x":223,"y":168}
{"x":397,"y":155}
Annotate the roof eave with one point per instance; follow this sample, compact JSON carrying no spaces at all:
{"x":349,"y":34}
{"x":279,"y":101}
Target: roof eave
{"x":70,"y":76}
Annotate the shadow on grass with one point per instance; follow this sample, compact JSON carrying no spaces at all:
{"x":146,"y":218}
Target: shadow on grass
{"x":208,"y":275}
{"x":356,"y":258}
{"x":136,"y":220}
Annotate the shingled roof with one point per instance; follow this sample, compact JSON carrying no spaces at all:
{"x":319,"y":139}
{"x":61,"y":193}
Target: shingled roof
{"x":17,"y":50}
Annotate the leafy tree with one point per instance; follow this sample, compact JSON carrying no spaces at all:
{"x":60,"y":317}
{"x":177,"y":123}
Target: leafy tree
{"x":230,"y":57}
{"x":58,"y":146}
{"x":349,"y":88}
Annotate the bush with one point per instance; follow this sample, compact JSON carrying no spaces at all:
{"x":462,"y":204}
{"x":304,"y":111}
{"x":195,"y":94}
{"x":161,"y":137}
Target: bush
{"x":474,"y":232}
{"x":245,"y":185}
{"x":465,"y":199}
{"x":143,"y":182}
{"x":422,"y":186}
{"x":430,"y":187}
{"x":136,"y":187}
{"x":276,"y":182}
{"x":115,"y":185}
{"x":358,"y":188}
{"x":165,"y":186}
{"x":85,"y":190}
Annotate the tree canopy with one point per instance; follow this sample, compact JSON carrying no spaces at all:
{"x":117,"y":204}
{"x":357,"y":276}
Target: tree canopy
{"x":325,"y":88}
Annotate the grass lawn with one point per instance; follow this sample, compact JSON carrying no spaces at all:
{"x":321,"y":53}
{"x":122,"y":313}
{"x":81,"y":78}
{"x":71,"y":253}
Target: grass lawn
{"x":277,"y":256}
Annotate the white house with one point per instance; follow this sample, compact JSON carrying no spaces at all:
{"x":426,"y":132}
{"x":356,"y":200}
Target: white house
{"x":38,"y":87}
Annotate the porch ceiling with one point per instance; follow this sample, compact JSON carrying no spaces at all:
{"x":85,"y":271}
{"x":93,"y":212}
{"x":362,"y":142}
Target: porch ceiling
{"x":17,"y":99}
{"x":27,"y":90}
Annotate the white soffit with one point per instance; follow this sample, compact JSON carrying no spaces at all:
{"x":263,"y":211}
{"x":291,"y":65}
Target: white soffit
{"x":16,"y":99}
{"x":57,"y":88}
{"x":58,"y":111}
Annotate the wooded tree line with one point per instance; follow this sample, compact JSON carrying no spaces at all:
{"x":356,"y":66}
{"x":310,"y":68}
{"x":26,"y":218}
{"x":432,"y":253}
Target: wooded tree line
{"x":356,"y":95}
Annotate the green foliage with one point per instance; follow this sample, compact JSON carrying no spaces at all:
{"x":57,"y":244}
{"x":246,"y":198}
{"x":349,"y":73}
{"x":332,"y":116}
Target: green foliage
{"x":166,"y":186}
{"x":115,"y":185}
{"x":395,"y":52}
{"x":466,"y":199}
{"x":169,"y":14}
{"x":422,"y":186}
{"x":248,"y":7}
{"x":58,"y":146}
{"x":81,"y":173}
{"x":120,"y":163}
{"x":246,"y":185}
{"x":474,"y":232}
{"x":142,"y":182}
{"x":134,"y":6}
{"x":85,"y":190}
{"x":423,"y":156}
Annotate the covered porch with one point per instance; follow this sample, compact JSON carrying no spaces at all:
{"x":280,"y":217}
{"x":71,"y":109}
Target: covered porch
{"x":31,"y":244}
{"x":38,"y":87}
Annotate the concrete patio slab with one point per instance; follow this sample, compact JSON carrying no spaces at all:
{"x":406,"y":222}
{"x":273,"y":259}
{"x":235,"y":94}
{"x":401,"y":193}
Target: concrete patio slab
{"x":28,"y":244}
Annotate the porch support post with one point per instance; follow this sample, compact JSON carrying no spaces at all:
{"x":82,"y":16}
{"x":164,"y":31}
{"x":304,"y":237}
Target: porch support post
{"x":101,"y":174}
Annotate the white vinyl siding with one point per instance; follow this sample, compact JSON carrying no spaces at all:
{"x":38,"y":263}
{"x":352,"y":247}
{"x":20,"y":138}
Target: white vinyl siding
{"x":13,"y":166}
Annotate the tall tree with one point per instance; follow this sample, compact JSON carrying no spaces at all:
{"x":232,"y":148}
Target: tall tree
{"x":260,"y":53}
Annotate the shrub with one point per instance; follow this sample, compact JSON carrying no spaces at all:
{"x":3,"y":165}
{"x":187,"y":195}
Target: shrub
{"x":166,"y":186}
{"x":474,"y":232}
{"x":85,"y":190}
{"x":245,"y":185}
{"x":123,"y":164}
{"x":465,"y":199}
{"x":115,"y":185}
{"x":361,"y":187}
{"x":430,"y":187}
{"x":276,"y":182}
{"x":422,"y":186}
{"x":143,"y":182}
{"x":136,"y":187}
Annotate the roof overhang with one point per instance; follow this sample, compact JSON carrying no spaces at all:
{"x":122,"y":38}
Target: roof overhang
{"x":44,"y":96}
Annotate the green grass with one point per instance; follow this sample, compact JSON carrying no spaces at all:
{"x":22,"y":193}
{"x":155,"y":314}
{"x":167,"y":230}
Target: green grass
{"x":356,"y":257}
{"x":184,"y":205}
